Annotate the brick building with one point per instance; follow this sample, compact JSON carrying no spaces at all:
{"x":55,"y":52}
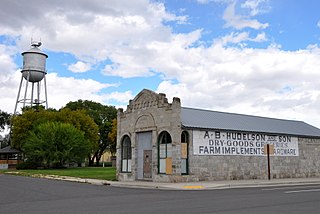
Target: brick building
{"x":164,"y":142}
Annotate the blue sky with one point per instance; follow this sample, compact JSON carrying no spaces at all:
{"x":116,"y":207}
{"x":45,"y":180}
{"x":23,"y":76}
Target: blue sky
{"x":258,"y":57}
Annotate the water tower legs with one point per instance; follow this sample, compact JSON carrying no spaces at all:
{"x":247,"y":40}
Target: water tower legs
{"x":25,"y":93}
{"x":34,"y":97}
{"x":45,"y":91}
{"x":15,"y":108}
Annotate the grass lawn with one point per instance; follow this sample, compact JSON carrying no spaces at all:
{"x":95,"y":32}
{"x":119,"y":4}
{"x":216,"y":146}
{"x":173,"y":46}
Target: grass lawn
{"x":103,"y":173}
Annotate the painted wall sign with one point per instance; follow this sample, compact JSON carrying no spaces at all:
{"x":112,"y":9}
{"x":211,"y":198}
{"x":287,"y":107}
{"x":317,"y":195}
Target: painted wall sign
{"x":240,"y":143}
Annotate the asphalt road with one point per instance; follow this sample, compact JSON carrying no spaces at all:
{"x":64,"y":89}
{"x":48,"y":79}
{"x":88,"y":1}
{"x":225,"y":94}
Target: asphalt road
{"x":33,"y":195}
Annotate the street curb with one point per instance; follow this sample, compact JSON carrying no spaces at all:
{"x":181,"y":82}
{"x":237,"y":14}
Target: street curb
{"x":213,"y":185}
{"x":180,"y":186}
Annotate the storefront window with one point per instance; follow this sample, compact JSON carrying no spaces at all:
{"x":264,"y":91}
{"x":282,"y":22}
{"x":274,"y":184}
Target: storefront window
{"x":126,"y":154}
{"x":184,"y":152}
{"x":165,"y":153}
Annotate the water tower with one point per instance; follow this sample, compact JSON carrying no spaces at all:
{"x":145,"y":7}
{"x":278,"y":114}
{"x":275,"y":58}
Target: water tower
{"x":33,"y":71}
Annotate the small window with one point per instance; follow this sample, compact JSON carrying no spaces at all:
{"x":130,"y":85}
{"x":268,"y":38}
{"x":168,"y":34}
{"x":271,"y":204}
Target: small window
{"x":126,"y":154}
{"x":165,"y":153}
{"x":184,"y":152}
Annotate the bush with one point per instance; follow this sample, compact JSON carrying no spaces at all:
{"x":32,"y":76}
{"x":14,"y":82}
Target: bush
{"x":27,"y":165}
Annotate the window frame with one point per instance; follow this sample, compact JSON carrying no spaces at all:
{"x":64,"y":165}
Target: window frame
{"x":185,"y":139}
{"x":164,"y":139}
{"x":126,"y":154}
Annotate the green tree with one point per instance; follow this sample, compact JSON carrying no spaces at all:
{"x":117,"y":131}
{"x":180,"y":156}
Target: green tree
{"x":31,"y":118}
{"x":55,"y":144}
{"x":23,"y":123}
{"x":113,"y":137}
{"x":83,"y":122}
{"x":4,"y":120}
{"x":4,"y":123}
{"x":4,"y":141}
{"x":102,"y":116}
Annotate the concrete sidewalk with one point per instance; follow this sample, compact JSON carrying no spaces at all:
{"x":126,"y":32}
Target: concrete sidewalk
{"x":216,"y":184}
{"x":206,"y":185}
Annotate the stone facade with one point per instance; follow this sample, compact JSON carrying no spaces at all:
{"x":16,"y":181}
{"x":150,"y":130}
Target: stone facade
{"x":149,"y":114}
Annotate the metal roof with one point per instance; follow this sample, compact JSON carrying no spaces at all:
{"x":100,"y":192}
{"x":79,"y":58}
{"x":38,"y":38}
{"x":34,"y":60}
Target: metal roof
{"x":205,"y":119}
{"x":9,"y":150}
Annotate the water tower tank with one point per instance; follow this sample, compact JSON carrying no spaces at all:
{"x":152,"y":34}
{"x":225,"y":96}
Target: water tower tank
{"x":34,"y":63}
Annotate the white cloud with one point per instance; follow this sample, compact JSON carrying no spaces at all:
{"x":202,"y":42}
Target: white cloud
{"x":7,"y":64}
{"x":257,"y":6}
{"x":246,"y":80}
{"x":79,"y":67}
{"x":240,"y":38}
{"x":244,"y":17}
{"x":235,"y":38}
{"x":318,"y":24}
{"x":125,"y":69}
{"x":140,"y":61}
{"x":238,"y":21}
{"x":119,"y":97}
{"x":9,"y":78}
{"x":203,"y":1}
{"x":89,"y":30}
{"x":261,"y":37}
{"x":62,"y":90}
